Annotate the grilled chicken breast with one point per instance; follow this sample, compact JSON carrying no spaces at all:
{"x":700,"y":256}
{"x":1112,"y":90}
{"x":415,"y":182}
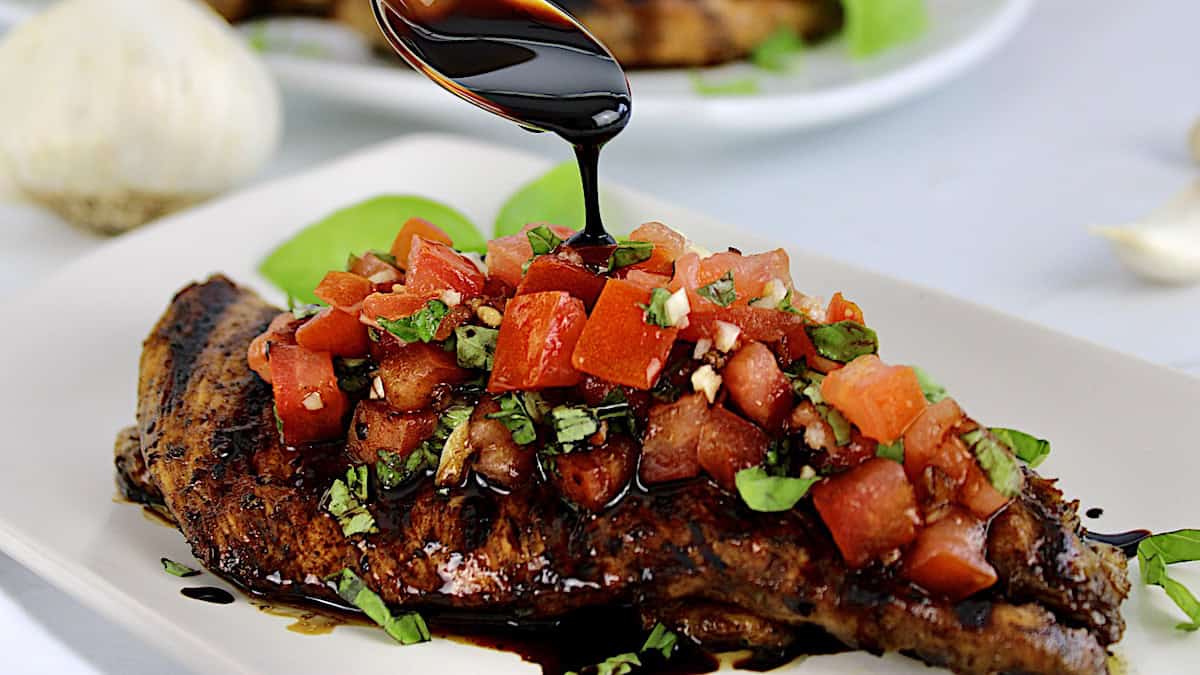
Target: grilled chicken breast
{"x":694,"y":558}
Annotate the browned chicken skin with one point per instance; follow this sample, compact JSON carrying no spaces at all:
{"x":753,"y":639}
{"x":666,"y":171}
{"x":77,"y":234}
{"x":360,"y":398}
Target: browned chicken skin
{"x":249,"y":508}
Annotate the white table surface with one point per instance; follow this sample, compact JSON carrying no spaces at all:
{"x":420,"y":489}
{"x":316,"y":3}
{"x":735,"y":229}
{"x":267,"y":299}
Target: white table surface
{"x":983,"y":189}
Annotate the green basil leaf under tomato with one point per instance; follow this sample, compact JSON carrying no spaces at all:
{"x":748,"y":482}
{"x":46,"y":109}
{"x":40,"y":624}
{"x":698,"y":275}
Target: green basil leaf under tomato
{"x":421,"y":326}
{"x":300,"y":263}
{"x":722,"y":291}
{"x":1029,"y":449}
{"x":514,"y":415}
{"x":178,"y":569}
{"x":767,"y":493}
{"x":656,"y":311}
{"x":933,"y":391}
{"x":777,"y":53}
{"x":843,"y":341}
{"x":892,"y":451}
{"x":1158,"y":551}
{"x":407,"y":628}
{"x":996,"y":461}
{"x":630,"y":253}
{"x":476,"y":346}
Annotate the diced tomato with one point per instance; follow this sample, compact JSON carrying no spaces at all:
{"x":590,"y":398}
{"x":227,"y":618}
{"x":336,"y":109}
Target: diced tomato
{"x":841,"y":309}
{"x":417,"y":227}
{"x":729,"y":443}
{"x":536,"y":341}
{"x":377,"y":426}
{"x":672,"y":437}
{"x":948,"y":557}
{"x":978,"y":495}
{"x":757,"y":386}
{"x":668,"y":245}
{"x":506,"y":255}
{"x":433,"y":266}
{"x":879,"y":399}
{"x":617,"y":344}
{"x":593,"y":478}
{"x":556,"y":273}
{"x":334,"y":331}
{"x":308,"y":401}
{"x":764,"y":325}
{"x":414,"y":374}
{"x":401,"y":302}
{"x":374,"y":268}
{"x":647,"y":280}
{"x":498,"y":457}
{"x":929,"y":442}
{"x":281,"y":331}
{"x":594,"y":390}
{"x":869,"y":510}
{"x":751,"y":273}
{"x":344,"y":290}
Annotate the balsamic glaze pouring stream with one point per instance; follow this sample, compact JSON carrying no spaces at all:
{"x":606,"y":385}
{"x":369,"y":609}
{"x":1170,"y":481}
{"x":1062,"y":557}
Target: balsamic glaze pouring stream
{"x":527,"y":61}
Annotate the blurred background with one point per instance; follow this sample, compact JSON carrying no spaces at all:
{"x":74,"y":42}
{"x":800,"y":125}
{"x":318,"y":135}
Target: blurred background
{"x":1014,"y":153}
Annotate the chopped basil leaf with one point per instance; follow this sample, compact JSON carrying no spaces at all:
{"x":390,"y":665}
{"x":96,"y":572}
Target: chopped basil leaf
{"x":302,"y":312}
{"x":407,"y":628}
{"x":778,"y":457}
{"x":873,"y":26}
{"x":572,"y":424}
{"x":178,"y":569}
{"x":933,"y":391}
{"x":385,"y":257}
{"x":1029,"y":449}
{"x":346,"y":502}
{"x":630,"y":253}
{"x":615,"y":410}
{"x":777,"y":52}
{"x":812,"y":387}
{"x":535,"y":405}
{"x":843,"y":341}
{"x":656,"y":311}
{"x":543,"y":240}
{"x":278,"y":420}
{"x":722,"y":291}
{"x":837,"y":422}
{"x":421,"y":326}
{"x":661,"y":640}
{"x":892,"y":451}
{"x":1158,"y":551}
{"x":763,"y":492}
{"x":785,"y":305}
{"x":476,"y":346}
{"x":743,"y":86}
{"x":515,"y":417}
{"x":994,"y":458}
{"x":373,"y":334}
{"x":394,"y":470}
{"x":354,"y":375}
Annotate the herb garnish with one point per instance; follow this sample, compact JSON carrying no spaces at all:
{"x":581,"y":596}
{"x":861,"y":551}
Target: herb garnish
{"x":302,"y":312}
{"x":743,"y":86}
{"x":722,"y":291}
{"x":572,"y":425}
{"x":476,"y":346}
{"x":660,"y":640}
{"x":843,"y":341}
{"x":764,"y":492}
{"x":630,"y":253}
{"x":785,"y":305}
{"x":656,"y":311}
{"x":777,"y":51}
{"x":994,"y":458}
{"x":353,"y":375}
{"x":394,"y":470}
{"x":543,"y":240}
{"x":407,"y":628}
{"x":1029,"y":449}
{"x":1158,"y":551}
{"x":514,"y":415}
{"x":178,"y":569}
{"x":933,"y":391}
{"x":837,"y":422}
{"x":421,"y":326}
{"x":892,"y":451}
{"x":615,"y":410}
{"x":346,"y":502}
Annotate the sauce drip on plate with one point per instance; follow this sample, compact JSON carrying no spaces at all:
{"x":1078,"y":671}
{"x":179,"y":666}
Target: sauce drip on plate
{"x":524,"y":60}
{"x":217,"y":596}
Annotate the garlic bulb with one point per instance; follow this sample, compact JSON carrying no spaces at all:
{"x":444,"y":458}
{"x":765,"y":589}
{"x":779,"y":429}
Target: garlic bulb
{"x":1165,"y":246}
{"x":120,"y":111}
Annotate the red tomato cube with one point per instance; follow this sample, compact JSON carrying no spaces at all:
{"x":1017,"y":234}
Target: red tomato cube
{"x":930,"y":442}
{"x":668,"y":245}
{"x":672,"y":437}
{"x":948,"y":557}
{"x":417,"y":227}
{"x":593,"y":478}
{"x":617,"y":344}
{"x":758,"y":387}
{"x":377,"y":426}
{"x":336,"y":332}
{"x":497,"y":456}
{"x":536,"y":341}
{"x":879,"y":399}
{"x":282,"y":331}
{"x":729,"y":443}
{"x":507,"y":255}
{"x":978,"y":494}
{"x":308,"y":401}
{"x":401,"y":302}
{"x":647,"y":280}
{"x":751,"y":273}
{"x":374,"y":268}
{"x":869,"y":510}
{"x":344,"y":290}
{"x":554,"y":273}
{"x":415,"y":374}
{"x":841,"y":309}
{"x":434,"y":266}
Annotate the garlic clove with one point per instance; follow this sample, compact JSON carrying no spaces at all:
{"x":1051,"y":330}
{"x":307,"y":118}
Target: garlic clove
{"x":129,"y":111}
{"x":1165,"y":246}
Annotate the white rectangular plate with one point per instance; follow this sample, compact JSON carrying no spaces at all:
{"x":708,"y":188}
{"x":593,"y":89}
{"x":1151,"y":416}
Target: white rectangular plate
{"x":1121,"y":428}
